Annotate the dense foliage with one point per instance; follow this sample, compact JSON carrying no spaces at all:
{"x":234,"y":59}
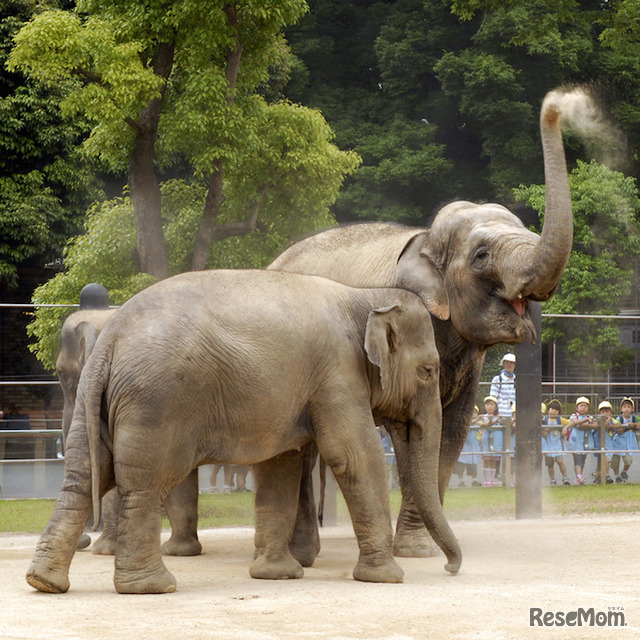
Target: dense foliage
{"x":606,"y":210}
{"x":439,"y":98}
{"x":45,"y":182}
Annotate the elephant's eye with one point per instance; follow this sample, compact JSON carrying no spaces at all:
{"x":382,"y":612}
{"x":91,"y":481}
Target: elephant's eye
{"x":480,"y":257}
{"x":425,"y":371}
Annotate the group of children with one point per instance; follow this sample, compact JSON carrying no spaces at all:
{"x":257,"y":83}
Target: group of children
{"x":579,"y":435}
{"x":486,"y":437}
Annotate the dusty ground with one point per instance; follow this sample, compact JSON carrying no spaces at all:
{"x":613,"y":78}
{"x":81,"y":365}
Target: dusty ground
{"x":557,"y":564}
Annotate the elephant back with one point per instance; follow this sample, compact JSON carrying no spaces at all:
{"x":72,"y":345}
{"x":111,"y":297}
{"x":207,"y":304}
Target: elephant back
{"x":359,"y":255}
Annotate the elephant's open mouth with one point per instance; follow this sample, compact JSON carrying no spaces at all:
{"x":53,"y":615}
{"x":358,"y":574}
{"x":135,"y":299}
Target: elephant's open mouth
{"x":519,"y":305}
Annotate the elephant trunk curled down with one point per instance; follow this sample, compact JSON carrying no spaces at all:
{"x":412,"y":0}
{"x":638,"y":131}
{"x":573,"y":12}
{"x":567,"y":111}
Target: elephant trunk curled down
{"x":247,"y":367}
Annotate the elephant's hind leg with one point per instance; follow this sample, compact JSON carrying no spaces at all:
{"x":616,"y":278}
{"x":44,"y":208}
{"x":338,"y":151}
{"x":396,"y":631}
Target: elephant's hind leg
{"x":276,"y":501}
{"x":139,"y":565}
{"x":106,"y":544}
{"x":305,"y":542}
{"x":181,"y":506}
{"x":49,"y":570}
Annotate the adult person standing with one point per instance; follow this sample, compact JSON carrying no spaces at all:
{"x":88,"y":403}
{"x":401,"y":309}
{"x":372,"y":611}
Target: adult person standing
{"x":503,"y":386}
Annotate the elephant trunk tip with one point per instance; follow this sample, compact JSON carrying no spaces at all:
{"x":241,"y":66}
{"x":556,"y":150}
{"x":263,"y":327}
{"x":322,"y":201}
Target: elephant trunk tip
{"x":453,"y":567}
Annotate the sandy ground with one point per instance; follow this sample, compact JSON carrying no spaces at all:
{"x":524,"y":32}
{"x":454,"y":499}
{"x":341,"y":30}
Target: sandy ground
{"x":556,"y":564}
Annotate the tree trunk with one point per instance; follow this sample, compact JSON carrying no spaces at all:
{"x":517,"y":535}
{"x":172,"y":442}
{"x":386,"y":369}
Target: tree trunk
{"x":215,"y":198}
{"x":143,"y":182}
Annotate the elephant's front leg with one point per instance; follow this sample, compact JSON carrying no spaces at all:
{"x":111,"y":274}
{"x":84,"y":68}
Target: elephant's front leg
{"x":277,"y":483}
{"x":353,"y":450}
{"x":138,"y":562}
{"x":181,"y":506}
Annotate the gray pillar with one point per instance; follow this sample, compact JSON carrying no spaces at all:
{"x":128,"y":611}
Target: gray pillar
{"x":528,"y":420}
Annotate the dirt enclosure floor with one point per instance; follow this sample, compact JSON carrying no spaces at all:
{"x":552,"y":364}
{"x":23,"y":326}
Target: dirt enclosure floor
{"x":556,"y":564}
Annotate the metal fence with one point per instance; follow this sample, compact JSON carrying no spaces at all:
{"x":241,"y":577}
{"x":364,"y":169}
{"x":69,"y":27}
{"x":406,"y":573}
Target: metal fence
{"x":32,"y":463}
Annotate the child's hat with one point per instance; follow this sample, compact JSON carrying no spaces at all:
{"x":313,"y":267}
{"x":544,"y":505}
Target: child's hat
{"x":583,"y":399}
{"x":556,"y":404}
{"x":627,"y":400}
{"x":491,"y":398}
{"x":543,"y":408}
{"x":605,"y":404}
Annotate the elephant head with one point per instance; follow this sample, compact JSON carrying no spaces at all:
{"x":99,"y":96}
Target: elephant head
{"x":479,"y":266}
{"x":77,"y":338}
{"x":399,"y":341}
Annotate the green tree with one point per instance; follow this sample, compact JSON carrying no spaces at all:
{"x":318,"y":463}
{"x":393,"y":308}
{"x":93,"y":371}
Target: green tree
{"x":441,"y":99}
{"x":45,"y":183}
{"x":295,"y":167}
{"x":606,"y":209}
{"x":159,"y":83}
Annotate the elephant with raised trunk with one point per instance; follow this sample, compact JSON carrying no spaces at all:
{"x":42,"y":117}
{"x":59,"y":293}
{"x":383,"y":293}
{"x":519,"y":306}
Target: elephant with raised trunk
{"x":475,"y":269}
{"x":247,"y":367}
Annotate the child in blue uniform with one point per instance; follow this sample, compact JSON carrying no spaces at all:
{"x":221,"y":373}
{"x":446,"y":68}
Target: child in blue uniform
{"x":605,"y":409}
{"x":578,"y":435}
{"x":552,"y":442}
{"x":492,"y":440}
{"x":625,"y":439}
{"x":469,"y":462}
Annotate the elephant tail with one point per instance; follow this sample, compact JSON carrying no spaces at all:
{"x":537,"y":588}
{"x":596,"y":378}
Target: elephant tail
{"x":94,"y":380}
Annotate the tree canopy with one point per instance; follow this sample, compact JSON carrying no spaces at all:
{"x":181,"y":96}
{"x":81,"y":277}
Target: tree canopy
{"x":45,"y":183}
{"x":168,"y":84}
{"x":441,"y":98}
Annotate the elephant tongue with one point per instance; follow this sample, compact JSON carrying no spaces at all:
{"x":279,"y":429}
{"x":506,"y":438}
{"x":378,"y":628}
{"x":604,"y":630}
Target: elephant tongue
{"x":519,"y":304}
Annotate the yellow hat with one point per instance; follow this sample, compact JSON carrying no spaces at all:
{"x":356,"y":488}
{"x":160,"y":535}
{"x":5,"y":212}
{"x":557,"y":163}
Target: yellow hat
{"x":633,"y":405}
{"x":555,"y":404}
{"x":583,"y":399}
{"x":543,"y":408}
{"x":491,"y":398}
{"x":605,"y":404}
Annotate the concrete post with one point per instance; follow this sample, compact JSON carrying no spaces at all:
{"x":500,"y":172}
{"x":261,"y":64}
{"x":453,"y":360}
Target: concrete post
{"x":528,"y":420}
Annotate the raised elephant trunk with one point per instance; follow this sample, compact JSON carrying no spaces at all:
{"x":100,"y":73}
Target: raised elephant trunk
{"x":549,"y":258}
{"x":550,"y":255}
{"x":418,"y":458}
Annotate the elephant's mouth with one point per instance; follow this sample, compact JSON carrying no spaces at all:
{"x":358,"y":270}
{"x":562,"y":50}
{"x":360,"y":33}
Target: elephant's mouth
{"x":519,"y":305}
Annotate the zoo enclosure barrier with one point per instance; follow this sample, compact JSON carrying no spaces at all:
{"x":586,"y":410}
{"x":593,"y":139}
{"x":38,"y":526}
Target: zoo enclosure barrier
{"x":36,"y":469}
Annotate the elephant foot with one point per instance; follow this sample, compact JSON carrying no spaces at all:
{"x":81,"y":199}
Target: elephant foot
{"x":387,"y":570}
{"x":185,"y":547}
{"x":414,"y":544}
{"x":161,"y":581}
{"x":305,"y":553}
{"x":83,"y":542}
{"x":105,"y":545}
{"x":46,"y":580}
{"x":282,"y":567}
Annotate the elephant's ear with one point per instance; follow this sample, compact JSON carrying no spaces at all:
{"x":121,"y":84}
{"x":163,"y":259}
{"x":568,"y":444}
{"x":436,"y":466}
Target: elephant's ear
{"x":420,"y":270}
{"x":381,"y":340}
{"x":87,"y":335}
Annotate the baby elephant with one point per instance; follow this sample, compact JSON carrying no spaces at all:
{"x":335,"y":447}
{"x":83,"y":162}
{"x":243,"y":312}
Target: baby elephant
{"x":245,"y":367}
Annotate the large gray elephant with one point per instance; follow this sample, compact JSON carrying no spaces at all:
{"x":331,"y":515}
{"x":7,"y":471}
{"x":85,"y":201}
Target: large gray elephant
{"x":266,"y":362}
{"x":77,"y":338}
{"x":475,"y":269}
